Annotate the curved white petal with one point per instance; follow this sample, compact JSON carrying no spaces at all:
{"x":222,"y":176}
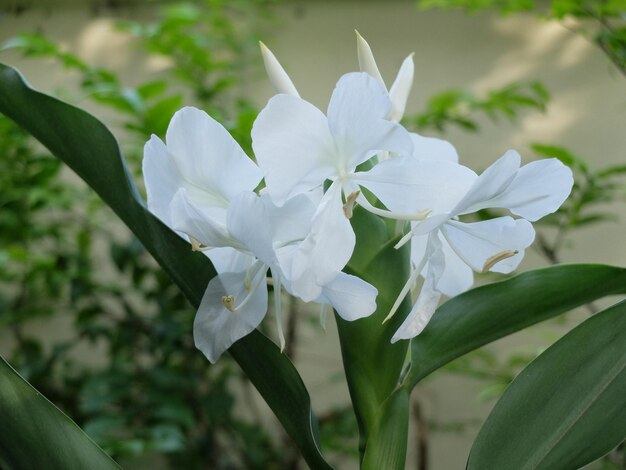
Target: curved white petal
{"x":208,"y":157}
{"x":351,"y":297}
{"x":405,"y":184}
{"x":200,"y":225}
{"x":325,"y":251}
{"x":490,"y":183}
{"x":357,"y":120}
{"x":249,"y":223}
{"x":227,"y":259}
{"x":400,"y":89}
{"x":216,"y":328}
{"x":538,"y":189}
{"x":482,"y":244}
{"x":431,"y":148}
{"x":367,"y":63}
{"x":276,"y":73}
{"x":418,"y":250}
{"x":457,"y":277}
{"x":293,"y":147}
{"x":291,"y":222}
{"x":161,"y":178}
{"x":429,"y":296}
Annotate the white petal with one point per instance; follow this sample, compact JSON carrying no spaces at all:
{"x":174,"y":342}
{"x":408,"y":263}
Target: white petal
{"x":418,"y":250}
{"x":276,"y":73}
{"x":229,"y":259}
{"x":161,"y":178}
{"x":539,"y":188}
{"x":325,"y":251}
{"x":351,"y":297}
{"x":457,"y":276}
{"x":204,"y":227}
{"x":249,"y":223}
{"x":431,"y":148}
{"x":208,"y":157}
{"x":357,"y":119}
{"x":479,"y":243}
{"x":367,"y":63}
{"x":292,"y":221}
{"x":405,"y":184}
{"x":293,"y":147}
{"x":429,"y":296}
{"x":215,"y":328}
{"x":399,"y":91}
{"x":490,"y":183}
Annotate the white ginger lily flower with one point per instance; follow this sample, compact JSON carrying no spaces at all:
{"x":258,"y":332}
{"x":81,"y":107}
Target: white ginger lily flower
{"x":445,"y":250}
{"x":299,"y":148}
{"x":201,"y":185}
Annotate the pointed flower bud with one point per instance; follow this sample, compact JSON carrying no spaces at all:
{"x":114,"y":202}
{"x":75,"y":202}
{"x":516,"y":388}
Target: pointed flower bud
{"x":276,"y":73}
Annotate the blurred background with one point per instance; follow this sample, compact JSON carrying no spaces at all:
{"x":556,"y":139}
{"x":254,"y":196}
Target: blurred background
{"x":88,"y":318}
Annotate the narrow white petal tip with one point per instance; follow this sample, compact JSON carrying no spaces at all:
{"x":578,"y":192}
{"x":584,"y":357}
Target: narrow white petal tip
{"x":367,"y":63}
{"x":276,"y":73}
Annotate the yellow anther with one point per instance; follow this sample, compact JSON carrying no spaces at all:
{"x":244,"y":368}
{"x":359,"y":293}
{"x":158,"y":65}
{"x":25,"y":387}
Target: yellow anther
{"x":349,"y":205}
{"x":229,"y":302}
{"x":196,"y":245}
{"x":497,"y":258}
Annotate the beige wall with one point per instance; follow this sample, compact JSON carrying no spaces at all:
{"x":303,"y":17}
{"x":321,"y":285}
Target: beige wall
{"x":316,"y":44}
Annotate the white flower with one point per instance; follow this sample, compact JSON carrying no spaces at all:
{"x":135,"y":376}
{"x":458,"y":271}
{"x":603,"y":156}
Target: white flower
{"x":445,"y":250}
{"x":299,"y":148}
{"x":201,"y":185}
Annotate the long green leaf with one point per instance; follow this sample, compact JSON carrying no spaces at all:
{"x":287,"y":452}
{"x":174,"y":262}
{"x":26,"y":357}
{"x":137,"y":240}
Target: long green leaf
{"x":487,"y":313}
{"x":36,"y":434}
{"x":567,"y":407}
{"x":88,"y":147}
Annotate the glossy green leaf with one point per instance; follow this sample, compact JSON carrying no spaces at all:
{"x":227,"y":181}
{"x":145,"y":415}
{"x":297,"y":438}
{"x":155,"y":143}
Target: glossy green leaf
{"x":567,"y":407}
{"x":36,"y":434}
{"x":88,"y":147}
{"x":486,"y":313}
{"x":372,"y":364}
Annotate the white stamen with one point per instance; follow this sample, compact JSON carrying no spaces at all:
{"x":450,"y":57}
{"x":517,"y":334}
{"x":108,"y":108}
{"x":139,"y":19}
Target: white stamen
{"x":497,"y":258}
{"x":362,"y":200}
{"x":324,"y":310}
{"x":278,"y":310}
{"x":406,"y":288}
{"x":257,"y":278}
{"x":229,"y":302}
{"x":349,"y":205}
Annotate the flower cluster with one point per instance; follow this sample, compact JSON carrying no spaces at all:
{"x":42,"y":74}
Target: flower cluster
{"x":310,"y":168}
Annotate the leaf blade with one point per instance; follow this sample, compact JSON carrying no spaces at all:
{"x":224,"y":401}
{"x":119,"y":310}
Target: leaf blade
{"x":576,"y":412}
{"x":493,"y":311}
{"x":30,"y":417}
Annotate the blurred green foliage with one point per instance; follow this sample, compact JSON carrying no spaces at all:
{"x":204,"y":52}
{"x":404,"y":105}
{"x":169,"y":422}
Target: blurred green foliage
{"x":63,"y":257}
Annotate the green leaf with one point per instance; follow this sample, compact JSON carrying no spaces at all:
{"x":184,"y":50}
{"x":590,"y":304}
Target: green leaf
{"x":88,"y":147}
{"x":566,"y":408}
{"x":372,"y":364}
{"x":36,"y":434}
{"x":489,"y":312}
